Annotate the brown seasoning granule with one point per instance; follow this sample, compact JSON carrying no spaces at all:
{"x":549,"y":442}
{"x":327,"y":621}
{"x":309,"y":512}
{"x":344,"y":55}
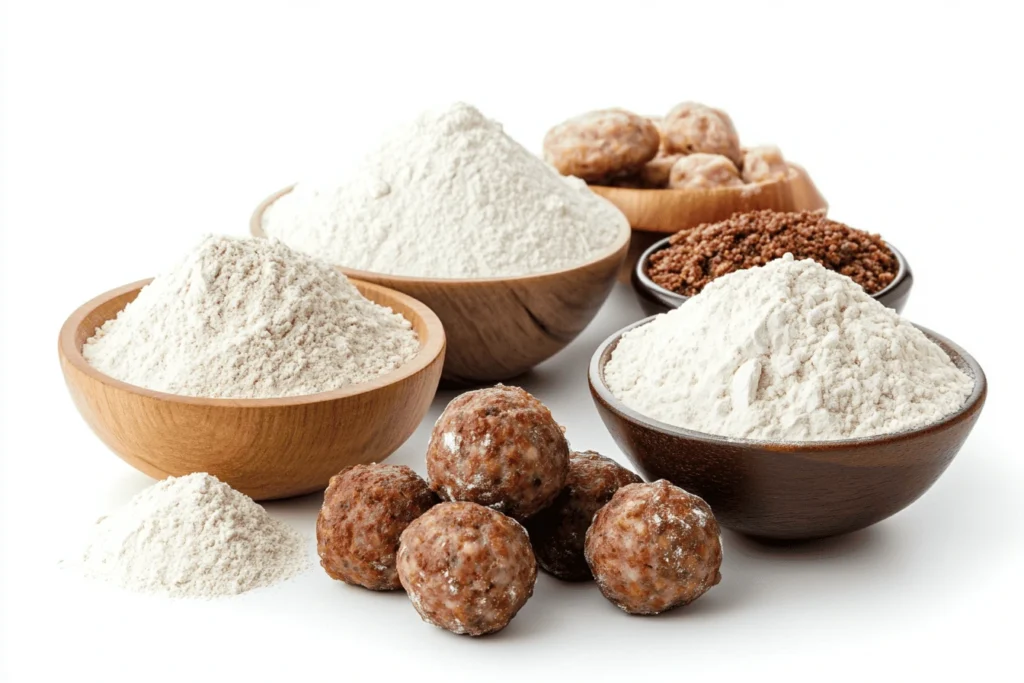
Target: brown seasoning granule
{"x":698,"y":255}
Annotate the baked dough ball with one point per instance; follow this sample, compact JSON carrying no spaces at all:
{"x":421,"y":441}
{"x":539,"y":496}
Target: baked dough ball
{"x":366,"y":508}
{"x":654,"y":547}
{"x":656,"y":172}
{"x":659,"y":123}
{"x":466,"y":568}
{"x":601,"y":144}
{"x":558,"y":531}
{"x":764,"y":164}
{"x":498,"y":447}
{"x":704,"y":171}
{"x":691,"y":127}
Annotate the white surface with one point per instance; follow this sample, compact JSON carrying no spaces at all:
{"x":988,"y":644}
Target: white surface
{"x":130,"y":130}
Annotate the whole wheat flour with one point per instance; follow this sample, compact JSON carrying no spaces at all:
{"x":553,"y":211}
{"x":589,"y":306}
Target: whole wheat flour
{"x":193,"y":536}
{"x":450,"y":196}
{"x":789,"y":351}
{"x":247,"y":318}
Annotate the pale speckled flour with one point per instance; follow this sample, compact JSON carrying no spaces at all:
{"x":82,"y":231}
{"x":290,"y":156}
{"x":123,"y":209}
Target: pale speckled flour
{"x":787,"y":352}
{"x":450,"y":196}
{"x":193,"y":536}
{"x":248,"y":318}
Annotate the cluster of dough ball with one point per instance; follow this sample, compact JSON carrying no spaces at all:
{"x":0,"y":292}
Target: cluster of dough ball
{"x":505,"y":495}
{"x":694,"y":146}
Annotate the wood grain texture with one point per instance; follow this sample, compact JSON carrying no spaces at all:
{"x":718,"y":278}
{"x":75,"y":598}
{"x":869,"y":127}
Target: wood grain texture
{"x":498,"y":328}
{"x":792,"y":491}
{"x":266,"y":448}
{"x":655,"y":213}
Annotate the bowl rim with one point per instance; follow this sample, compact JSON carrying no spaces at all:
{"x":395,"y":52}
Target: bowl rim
{"x":643,"y":280}
{"x":430,"y":350}
{"x":616,"y":251}
{"x":595,"y":375}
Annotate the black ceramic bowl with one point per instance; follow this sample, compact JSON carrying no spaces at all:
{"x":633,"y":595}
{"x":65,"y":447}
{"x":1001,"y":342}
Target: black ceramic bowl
{"x":792,"y":491}
{"x":655,"y":299}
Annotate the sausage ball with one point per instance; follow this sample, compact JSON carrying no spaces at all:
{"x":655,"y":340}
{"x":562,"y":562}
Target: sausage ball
{"x":764,"y":164}
{"x":498,"y":447}
{"x":601,"y":144}
{"x":654,"y":547}
{"x":466,"y":568}
{"x":704,"y":172}
{"x":691,"y":127}
{"x":558,"y":532}
{"x":366,"y":508}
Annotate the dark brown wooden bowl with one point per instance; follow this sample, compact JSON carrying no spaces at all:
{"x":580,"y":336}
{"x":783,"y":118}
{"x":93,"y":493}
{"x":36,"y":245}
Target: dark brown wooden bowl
{"x":792,"y":491}
{"x":656,"y":299}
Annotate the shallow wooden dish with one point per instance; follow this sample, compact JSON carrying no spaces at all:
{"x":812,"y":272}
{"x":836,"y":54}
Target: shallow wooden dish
{"x":266,"y":448}
{"x":654,"y":213}
{"x":656,"y":299}
{"x":498,"y":328}
{"x":792,"y":491}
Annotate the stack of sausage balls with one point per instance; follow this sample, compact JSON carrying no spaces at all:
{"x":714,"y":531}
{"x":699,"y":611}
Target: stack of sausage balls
{"x":506,"y":495}
{"x":692,"y":147}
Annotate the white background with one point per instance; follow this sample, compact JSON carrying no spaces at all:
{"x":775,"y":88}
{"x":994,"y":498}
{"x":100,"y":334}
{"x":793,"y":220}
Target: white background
{"x":130,"y":129}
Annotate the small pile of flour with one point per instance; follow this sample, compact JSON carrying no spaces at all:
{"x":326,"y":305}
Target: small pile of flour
{"x":196,"y":537}
{"x":450,"y":196}
{"x":787,"y":352}
{"x":248,"y":318}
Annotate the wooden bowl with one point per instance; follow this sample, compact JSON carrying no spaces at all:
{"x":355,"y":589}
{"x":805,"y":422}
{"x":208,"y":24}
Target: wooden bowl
{"x":498,"y":328}
{"x":655,"y":213}
{"x":656,"y":299}
{"x":266,"y":448}
{"x":792,"y":491}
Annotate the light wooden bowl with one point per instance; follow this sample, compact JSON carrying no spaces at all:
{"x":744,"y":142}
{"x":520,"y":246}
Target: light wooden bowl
{"x":266,"y":448}
{"x":498,"y":328}
{"x":655,"y":213}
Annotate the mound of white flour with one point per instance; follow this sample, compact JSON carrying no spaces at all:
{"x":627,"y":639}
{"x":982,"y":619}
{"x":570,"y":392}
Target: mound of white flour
{"x":248,"y":318}
{"x":787,"y":352}
{"x":450,"y":196}
{"x":193,"y":536}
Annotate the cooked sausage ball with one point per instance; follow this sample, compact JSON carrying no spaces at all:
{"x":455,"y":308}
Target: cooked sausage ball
{"x":498,"y":447}
{"x":601,"y":144}
{"x":654,"y":547}
{"x":366,"y":508}
{"x":466,"y":568}
{"x":691,"y":127}
{"x":764,"y":164}
{"x":558,"y":531}
{"x":704,"y":171}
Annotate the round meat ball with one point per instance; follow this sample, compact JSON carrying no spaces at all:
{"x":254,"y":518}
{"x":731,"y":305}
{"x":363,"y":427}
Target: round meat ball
{"x":600,"y":144}
{"x":466,"y":568}
{"x":764,"y":164}
{"x":366,"y":508}
{"x":498,"y":447}
{"x":704,"y":172}
{"x":558,"y":532}
{"x":654,"y":547}
{"x":691,"y":127}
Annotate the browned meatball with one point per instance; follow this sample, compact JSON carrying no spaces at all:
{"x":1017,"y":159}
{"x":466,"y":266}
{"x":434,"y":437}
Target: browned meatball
{"x":654,"y":547}
{"x":601,"y":144}
{"x":366,"y":508}
{"x":558,"y":531}
{"x":466,"y":568}
{"x":499,"y":447}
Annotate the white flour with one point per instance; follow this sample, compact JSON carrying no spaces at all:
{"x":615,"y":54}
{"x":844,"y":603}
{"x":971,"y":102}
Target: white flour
{"x":193,"y":536}
{"x":450,"y":196}
{"x":788,"y":352}
{"x":247,"y":318}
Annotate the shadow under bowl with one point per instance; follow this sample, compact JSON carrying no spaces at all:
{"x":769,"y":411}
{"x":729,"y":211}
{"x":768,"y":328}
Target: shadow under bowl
{"x":498,"y":328}
{"x":792,"y":491}
{"x":654,"y":298}
{"x":265,"y":448}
